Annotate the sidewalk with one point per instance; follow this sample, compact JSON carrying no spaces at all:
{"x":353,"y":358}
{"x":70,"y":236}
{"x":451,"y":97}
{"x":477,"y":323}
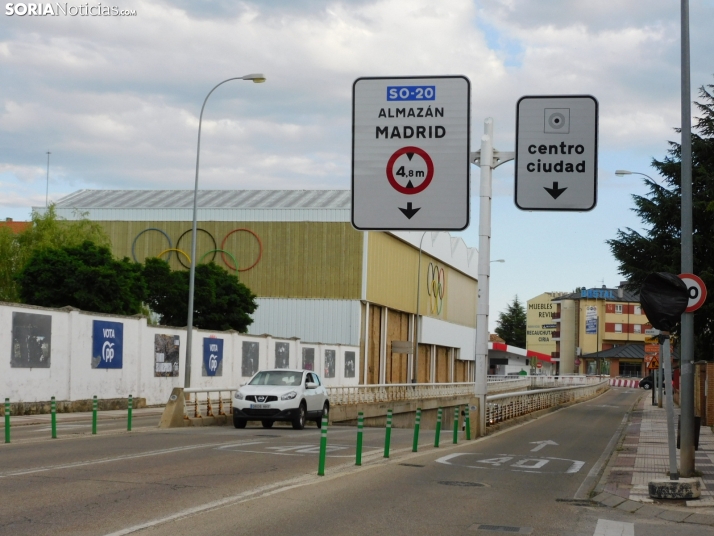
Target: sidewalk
{"x":643,"y":455}
{"x":45,"y":418}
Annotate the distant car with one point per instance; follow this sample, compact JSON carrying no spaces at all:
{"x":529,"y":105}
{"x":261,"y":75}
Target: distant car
{"x":647,"y":382}
{"x":296,"y":396}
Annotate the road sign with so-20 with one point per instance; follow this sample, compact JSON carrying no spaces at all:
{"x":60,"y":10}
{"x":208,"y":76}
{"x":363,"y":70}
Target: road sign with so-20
{"x":410,"y":153}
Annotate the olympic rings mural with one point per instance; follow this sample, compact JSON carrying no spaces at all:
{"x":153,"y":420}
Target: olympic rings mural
{"x":435,"y":286}
{"x":215,"y":250}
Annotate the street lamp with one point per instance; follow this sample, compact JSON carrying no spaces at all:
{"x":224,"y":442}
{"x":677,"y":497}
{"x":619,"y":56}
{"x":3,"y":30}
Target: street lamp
{"x":257,"y":78}
{"x":623,"y":172}
{"x":499,"y":260}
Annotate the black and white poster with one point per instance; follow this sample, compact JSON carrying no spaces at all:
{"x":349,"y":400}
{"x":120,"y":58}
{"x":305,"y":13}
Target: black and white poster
{"x":308,"y":358}
{"x":282,"y":355}
{"x":349,"y":364}
{"x":329,"y":363}
{"x":166,"y":356}
{"x":31,"y":340}
{"x":249,"y":365}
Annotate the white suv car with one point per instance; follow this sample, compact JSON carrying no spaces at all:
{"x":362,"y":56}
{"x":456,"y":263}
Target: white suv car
{"x":281,"y":395}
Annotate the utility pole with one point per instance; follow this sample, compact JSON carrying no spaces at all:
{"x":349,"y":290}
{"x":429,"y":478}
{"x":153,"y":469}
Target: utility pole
{"x":687,"y":259}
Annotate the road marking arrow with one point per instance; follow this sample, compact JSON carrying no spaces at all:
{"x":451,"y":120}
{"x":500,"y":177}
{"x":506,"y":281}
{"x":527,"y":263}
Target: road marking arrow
{"x":555,"y":191}
{"x":409,"y":211}
{"x":542,"y":444}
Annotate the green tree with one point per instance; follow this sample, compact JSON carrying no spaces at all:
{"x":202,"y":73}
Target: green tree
{"x":658,"y":248}
{"x":47,"y":231}
{"x":86,"y":277}
{"x":512,"y":324}
{"x":221,"y":301}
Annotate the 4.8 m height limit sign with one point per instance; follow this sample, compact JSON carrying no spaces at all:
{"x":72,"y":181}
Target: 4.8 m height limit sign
{"x":410,"y":153}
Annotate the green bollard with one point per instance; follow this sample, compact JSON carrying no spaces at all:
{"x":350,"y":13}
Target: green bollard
{"x":360,"y":425}
{"x":53,"y":410}
{"x":468,"y":424}
{"x":323,"y":447}
{"x":438,"y":428}
{"x":128,"y":420}
{"x":94,"y":415}
{"x":417,"y":421}
{"x":456,"y":424}
{"x":7,"y":420}
{"x":388,"y":435}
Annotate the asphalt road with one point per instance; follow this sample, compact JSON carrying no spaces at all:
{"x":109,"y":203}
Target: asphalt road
{"x":218,"y":480}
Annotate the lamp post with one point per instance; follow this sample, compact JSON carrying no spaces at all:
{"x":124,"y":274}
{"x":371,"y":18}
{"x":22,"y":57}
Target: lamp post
{"x":416,"y":318}
{"x":623,"y":172}
{"x":256,"y":78}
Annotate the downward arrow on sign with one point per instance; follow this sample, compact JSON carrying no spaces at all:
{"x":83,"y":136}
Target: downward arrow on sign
{"x":555,"y":191}
{"x":542,"y":444}
{"x":409,"y":211}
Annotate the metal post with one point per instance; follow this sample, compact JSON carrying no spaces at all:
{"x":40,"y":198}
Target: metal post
{"x":323,"y":447}
{"x":660,"y":377}
{"x":7,"y":420}
{"x":417,"y":422}
{"x":484,"y":270}
{"x":664,"y":352}
{"x":456,"y":424}
{"x":686,"y":382}
{"x":47,"y":191}
{"x":388,"y":434}
{"x":128,"y":417}
{"x":438,"y":428}
{"x":53,"y":417}
{"x":94,"y":415}
{"x":415,"y":377}
{"x":468,"y":424}
{"x":360,"y":425}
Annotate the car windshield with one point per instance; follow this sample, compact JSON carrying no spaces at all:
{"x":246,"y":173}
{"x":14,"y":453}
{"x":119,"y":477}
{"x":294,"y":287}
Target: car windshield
{"x":277,"y":377}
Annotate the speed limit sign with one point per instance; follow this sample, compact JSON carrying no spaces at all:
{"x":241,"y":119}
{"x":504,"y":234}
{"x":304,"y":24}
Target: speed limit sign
{"x":697,"y":291}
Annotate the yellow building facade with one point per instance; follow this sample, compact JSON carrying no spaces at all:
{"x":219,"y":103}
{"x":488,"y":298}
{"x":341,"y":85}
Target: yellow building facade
{"x":540,"y":324}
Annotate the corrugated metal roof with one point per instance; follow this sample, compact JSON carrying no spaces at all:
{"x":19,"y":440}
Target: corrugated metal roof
{"x":176,"y":199}
{"x":626,"y":351}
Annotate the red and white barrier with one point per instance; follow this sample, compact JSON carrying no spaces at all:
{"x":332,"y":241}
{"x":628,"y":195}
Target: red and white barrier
{"x":618,"y":382}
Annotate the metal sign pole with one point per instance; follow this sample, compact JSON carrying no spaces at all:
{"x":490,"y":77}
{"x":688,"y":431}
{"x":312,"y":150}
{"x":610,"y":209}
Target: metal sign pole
{"x":664,"y":352}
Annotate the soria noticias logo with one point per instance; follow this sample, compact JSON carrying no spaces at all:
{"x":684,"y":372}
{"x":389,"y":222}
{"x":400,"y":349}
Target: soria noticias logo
{"x":59,"y":9}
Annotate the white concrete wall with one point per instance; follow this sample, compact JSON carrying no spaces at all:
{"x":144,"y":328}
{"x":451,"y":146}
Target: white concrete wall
{"x":71,"y":376}
{"x":434,"y":331}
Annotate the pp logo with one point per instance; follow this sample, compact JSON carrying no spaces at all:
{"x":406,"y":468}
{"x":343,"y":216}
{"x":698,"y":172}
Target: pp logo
{"x":213,"y":362}
{"x":108,"y":351}
{"x":557,"y":121}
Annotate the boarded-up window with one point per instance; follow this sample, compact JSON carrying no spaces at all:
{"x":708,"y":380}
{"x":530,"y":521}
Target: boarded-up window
{"x":350,"y":365}
{"x":282,"y":355}
{"x":308,"y":358}
{"x":249,"y":365}
{"x":329,"y":363}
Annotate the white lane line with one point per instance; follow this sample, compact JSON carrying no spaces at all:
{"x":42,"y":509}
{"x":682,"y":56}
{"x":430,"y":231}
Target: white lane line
{"x":605,"y":527}
{"x":74,"y":465}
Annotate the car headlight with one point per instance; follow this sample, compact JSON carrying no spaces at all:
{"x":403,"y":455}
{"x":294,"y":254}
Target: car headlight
{"x":239,"y":395}
{"x":289,"y":396}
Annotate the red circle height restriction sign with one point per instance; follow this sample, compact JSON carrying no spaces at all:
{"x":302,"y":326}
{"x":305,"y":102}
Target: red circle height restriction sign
{"x":429,"y":170}
{"x":697,"y":291}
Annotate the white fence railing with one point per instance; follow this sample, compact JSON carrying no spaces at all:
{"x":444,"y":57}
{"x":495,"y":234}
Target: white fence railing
{"x":208,"y":402}
{"x":503,"y":407}
{"x":215,"y":402}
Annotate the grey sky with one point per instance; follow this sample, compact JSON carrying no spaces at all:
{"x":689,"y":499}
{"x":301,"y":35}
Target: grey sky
{"x":116,"y":100}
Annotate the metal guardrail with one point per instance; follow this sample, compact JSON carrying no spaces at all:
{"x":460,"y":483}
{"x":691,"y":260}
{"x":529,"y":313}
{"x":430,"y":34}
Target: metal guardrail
{"x":203,"y":402}
{"x":216,"y":402}
{"x":507,"y":406}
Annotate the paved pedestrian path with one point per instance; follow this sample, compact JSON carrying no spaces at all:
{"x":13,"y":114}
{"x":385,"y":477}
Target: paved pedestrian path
{"x":641,"y":456}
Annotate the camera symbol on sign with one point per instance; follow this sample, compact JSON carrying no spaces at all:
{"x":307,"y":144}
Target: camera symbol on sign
{"x":557,"y":121}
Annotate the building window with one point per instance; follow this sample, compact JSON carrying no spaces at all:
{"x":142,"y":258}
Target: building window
{"x":637,"y":328}
{"x":638,"y":310}
{"x":618,"y":309}
{"x":618,"y":328}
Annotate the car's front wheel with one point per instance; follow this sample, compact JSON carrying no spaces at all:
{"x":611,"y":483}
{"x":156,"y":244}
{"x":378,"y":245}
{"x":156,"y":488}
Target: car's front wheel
{"x":647,"y":386}
{"x":299,"y":419}
{"x":267,"y":423}
{"x":239,"y":423}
